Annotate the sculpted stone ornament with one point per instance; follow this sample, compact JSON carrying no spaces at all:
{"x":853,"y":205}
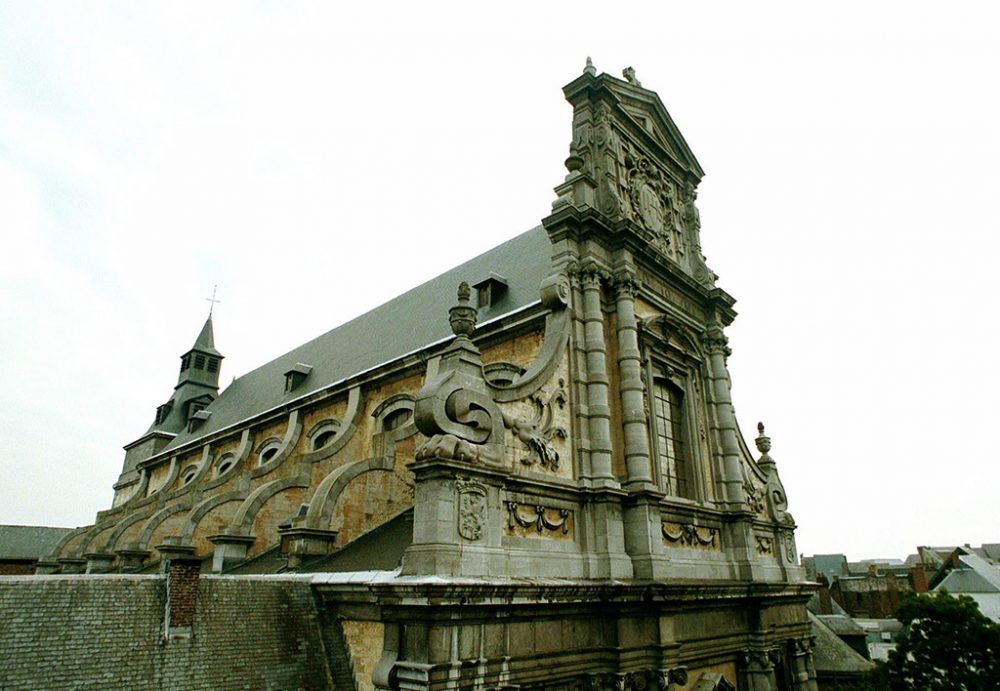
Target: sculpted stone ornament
{"x":538,"y":432}
{"x":690,"y":535}
{"x":538,"y":518}
{"x":454,"y":409}
{"x":777,"y":501}
{"x":653,"y":204}
{"x":471,"y":509}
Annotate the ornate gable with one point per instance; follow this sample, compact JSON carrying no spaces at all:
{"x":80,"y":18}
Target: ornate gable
{"x":629,"y":161}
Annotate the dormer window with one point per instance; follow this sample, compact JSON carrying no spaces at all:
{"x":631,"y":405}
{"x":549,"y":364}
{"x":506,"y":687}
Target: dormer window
{"x":198,"y":419}
{"x":296,"y":375}
{"x":490,"y":290}
{"x":163,"y":411}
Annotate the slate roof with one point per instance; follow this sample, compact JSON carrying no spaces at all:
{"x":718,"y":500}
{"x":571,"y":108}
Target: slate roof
{"x":405,"y":324}
{"x":29,"y":541}
{"x":832,"y":655}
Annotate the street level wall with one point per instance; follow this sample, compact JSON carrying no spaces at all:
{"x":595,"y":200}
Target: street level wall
{"x":101,"y":632}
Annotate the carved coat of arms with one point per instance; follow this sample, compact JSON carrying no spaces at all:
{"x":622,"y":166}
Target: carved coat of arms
{"x":471,"y":509}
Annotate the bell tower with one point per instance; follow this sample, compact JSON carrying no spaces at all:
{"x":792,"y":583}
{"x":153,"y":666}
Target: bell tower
{"x":197,"y":386}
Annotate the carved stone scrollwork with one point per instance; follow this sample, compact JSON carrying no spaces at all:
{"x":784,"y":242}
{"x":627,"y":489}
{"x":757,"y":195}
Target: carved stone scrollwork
{"x":691,"y":535}
{"x":538,"y":518}
{"x":653,"y":202}
{"x":641,"y":680}
{"x":765,"y":545}
{"x":454,"y":409}
{"x":555,"y":291}
{"x":591,"y":275}
{"x":538,"y":432}
{"x":716,"y":342}
{"x":626,"y":285}
{"x":755,"y":497}
{"x":471,"y":508}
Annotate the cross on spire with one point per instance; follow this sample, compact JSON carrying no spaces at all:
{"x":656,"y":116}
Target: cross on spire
{"x":213,"y":301}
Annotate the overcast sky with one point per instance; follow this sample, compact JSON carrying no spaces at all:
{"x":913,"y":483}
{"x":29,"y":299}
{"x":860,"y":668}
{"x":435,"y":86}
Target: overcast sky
{"x":317,"y":159}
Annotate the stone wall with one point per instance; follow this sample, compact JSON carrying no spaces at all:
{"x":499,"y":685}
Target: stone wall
{"x":99,"y":632}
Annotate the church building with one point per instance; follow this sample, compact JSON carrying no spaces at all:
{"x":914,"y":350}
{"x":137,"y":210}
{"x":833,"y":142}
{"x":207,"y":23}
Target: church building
{"x":525,"y":473}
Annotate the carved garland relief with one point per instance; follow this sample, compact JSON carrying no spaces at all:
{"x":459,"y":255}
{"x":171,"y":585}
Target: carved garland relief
{"x":537,"y":519}
{"x":689,"y":535}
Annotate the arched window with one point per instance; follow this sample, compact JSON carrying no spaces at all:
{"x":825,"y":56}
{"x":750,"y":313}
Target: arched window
{"x":672,"y":445}
{"x":396,"y":419}
{"x":224,"y":464}
{"x":189,"y":474}
{"x":323,"y":433}
{"x":267,"y":451}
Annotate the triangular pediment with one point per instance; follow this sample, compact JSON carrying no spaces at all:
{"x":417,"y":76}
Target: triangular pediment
{"x":643,"y":113}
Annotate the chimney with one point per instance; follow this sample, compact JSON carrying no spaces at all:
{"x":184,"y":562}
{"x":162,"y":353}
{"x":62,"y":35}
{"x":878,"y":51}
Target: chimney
{"x":918,"y":575}
{"x":182,"y":594}
{"x":824,"y":594}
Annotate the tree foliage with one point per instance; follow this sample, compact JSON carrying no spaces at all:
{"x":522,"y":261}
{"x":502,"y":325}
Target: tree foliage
{"x":946,"y":643}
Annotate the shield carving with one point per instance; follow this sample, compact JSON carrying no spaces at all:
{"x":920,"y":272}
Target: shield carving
{"x":471,"y":509}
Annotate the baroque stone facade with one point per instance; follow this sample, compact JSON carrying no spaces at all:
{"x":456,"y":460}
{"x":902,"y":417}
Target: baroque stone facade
{"x":553,"y":419}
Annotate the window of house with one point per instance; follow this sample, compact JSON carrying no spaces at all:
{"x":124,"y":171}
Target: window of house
{"x":189,"y":475}
{"x":163,"y":411}
{"x":225,"y":463}
{"x":396,"y":419}
{"x":672,"y":446}
{"x":267,"y":451}
{"x":213,"y":364}
{"x":199,"y":361}
{"x":185,"y":362}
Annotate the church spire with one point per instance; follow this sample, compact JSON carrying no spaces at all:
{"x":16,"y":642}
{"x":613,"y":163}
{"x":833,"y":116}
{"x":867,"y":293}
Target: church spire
{"x":200,"y":365}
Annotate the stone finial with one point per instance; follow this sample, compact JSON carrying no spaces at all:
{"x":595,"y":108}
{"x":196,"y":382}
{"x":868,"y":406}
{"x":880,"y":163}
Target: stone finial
{"x":762,"y":441}
{"x":629,"y":74}
{"x":463,"y":315}
{"x":590,"y":69}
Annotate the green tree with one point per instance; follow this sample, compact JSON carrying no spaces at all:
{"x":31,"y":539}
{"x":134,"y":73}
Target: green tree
{"x":946,"y":643}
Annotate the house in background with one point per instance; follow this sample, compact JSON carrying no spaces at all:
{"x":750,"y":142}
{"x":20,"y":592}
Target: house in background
{"x":966,"y":573}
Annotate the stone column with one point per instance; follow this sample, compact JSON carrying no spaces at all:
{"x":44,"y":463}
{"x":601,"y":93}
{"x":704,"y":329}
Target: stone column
{"x":732,"y":477}
{"x":804,"y":674}
{"x":631,"y":386}
{"x":760,"y":670}
{"x":597,"y":379}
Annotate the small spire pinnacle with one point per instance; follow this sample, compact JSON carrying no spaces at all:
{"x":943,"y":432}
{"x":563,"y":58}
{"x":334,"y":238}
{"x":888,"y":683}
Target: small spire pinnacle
{"x":463,"y":315}
{"x":213,"y":301}
{"x":590,"y":69}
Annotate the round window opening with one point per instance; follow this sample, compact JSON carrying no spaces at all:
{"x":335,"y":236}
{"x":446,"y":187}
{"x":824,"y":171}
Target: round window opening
{"x":189,"y":476}
{"x":224,"y":466}
{"x":324,"y":438}
{"x":267,"y":454}
{"x":396,"y":419}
